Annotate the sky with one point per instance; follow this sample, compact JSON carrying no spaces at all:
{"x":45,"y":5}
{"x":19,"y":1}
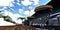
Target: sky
{"x":20,"y":8}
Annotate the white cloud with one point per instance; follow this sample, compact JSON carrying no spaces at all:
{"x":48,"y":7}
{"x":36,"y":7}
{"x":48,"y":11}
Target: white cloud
{"x":32,"y":12}
{"x":30,"y":7}
{"x":20,"y":10}
{"x":36,"y":2}
{"x":7,"y":8}
{"x":11,"y":14}
{"x":12,"y":9}
{"x":6,"y":2}
{"x":18,"y":3}
{"x":18,"y":21}
{"x":26,"y":2}
{"x":1,"y":9}
{"x":29,"y":13}
{"x":11,"y":5}
{"x":18,"y":0}
{"x":15,"y":17}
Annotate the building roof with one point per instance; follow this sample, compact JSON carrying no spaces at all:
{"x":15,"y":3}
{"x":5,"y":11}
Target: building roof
{"x":54,"y":3}
{"x":5,"y":23}
{"x":43,"y":7}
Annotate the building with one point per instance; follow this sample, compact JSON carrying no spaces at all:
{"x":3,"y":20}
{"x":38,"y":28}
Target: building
{"x":5,"y":23}
{"x":46,"y":15}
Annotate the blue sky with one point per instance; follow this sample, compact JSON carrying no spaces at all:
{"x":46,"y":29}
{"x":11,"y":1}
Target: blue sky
{"x":20,"y":8}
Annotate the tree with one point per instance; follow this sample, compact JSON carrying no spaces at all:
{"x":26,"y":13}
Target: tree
{"x":7,"y":18}
{"x":1,"y":14}
{"x":21,"y":18}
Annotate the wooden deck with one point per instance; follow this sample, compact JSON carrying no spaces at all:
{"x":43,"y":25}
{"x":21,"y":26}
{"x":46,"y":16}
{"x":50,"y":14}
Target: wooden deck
{"x":16,"y":27}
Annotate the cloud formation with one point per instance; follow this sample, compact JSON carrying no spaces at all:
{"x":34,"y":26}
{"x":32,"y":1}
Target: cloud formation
{"x":26,"y":2}
{"x":6,"y":3}
{"x":29,"y":12}
{"x":21,"y":10}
